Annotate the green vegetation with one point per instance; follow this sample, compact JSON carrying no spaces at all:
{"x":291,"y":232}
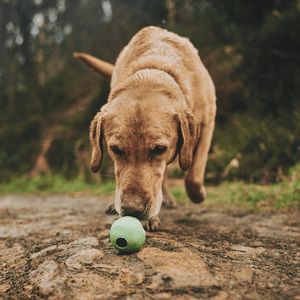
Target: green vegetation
{"x":48,"y":184}
{"x":262,"y":117}
{"x":285,"y":194}
{"x":268,"y":146}
{"x":179,"y":193}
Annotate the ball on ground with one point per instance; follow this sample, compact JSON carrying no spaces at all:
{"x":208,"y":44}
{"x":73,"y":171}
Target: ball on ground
{"x":127,"y":234}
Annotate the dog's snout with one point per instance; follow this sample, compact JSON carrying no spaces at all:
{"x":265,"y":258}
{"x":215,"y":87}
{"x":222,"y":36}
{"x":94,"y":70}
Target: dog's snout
{"x":132,"y":205}
{"x":134,"y":200}
{"x":132,"y":208}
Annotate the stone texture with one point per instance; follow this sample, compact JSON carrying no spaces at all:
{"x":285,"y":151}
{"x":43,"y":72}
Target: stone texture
{"x":43,"y":252}
{"x":244,"y":276}
{"x":84,"y":258}
{"x":131,"y":277}
{"x":37,"y":257}
{"x":78,"y":245}
{"x":246,"y":253}
{"x":247,"y":250}
{"x":221,"y":296}
{"x":163,"y":296}
{"x":49,"y":278}
{"x":176,"y":269}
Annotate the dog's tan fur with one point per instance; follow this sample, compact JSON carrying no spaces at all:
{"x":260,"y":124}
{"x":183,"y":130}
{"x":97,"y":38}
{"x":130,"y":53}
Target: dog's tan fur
{"x":162,"y":103}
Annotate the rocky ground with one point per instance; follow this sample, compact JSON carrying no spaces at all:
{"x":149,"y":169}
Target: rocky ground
{"x":57,"y":247}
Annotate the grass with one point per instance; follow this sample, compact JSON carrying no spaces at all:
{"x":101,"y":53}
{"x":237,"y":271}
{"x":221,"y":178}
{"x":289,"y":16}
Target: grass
{"x":179,"y":193}
{"x":56,"y":184}
{"x":285,"y":194}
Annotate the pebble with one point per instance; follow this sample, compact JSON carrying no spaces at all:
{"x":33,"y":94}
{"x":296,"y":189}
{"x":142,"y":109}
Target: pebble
{"x":84,"y":258}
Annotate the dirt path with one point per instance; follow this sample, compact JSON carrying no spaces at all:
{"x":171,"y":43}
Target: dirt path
{"x":57,"y":247}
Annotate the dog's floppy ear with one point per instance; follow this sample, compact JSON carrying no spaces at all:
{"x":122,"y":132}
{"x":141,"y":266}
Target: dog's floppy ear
{"x":189,"y":134}
{"x":96,"y":141}
{"x":97,"y":65}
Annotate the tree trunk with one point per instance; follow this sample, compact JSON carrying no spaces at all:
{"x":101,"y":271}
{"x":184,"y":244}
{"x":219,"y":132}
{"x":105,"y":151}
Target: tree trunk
{"x":170,"y":4}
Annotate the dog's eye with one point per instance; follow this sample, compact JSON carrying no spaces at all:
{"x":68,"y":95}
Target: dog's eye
{"x":158,"y":150}
{"x":116,"y":150}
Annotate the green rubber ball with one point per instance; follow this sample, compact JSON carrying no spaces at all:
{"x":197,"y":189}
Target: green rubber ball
{"x":127,"y":234}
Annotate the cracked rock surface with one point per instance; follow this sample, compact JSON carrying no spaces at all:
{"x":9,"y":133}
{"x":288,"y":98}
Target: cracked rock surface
{"x":57,"y":247}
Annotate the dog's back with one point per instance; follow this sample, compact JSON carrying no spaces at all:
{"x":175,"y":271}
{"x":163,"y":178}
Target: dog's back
{"x":156,"y":48}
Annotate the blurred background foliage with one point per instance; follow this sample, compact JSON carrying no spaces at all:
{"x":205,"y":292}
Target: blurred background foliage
{"x":47,"y":99}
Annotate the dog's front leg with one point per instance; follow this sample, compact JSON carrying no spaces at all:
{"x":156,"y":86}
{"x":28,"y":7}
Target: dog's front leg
{"x":168,"y":199}
{"x":194,"y":181}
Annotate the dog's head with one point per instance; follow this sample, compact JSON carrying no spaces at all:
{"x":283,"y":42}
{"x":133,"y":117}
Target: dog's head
{"x":144,"y":126}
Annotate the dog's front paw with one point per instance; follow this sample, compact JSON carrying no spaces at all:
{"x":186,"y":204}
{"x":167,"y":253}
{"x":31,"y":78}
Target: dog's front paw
{"x":196,"y":191}
{"x":169,"y":201}
{"x":152,"y":224}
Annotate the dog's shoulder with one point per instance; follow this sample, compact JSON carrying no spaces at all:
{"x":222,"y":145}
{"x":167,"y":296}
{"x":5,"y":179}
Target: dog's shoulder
{"x":155,"y":48}
{"x":159,"y":41}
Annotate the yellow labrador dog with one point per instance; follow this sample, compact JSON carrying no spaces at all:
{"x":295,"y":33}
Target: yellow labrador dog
{"x":162,"y":104}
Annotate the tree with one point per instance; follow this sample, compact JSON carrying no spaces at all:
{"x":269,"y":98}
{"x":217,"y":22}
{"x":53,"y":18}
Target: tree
{"x":26,"y":27}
